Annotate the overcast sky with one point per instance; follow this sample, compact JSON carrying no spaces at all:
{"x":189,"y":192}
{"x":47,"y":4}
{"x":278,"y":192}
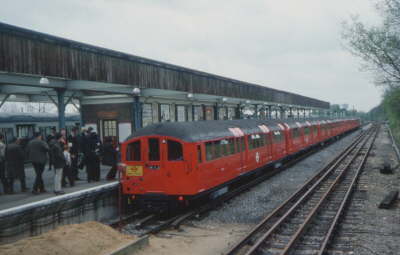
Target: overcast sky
{"x":292,"y":45}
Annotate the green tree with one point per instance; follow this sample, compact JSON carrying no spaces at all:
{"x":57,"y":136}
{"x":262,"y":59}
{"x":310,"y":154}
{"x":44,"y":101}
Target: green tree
{"x":378,"y":46}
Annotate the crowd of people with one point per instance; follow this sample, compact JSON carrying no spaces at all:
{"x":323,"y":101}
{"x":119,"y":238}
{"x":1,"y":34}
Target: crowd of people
{"x":65,"y":156}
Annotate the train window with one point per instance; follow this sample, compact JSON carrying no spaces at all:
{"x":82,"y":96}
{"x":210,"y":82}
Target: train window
{"x":262,"y":140}
{"x":209,"y":150}
{"x":237,"y":140}
{"x":250,"y":140}
{"x":8,"y":134}
{"x":231,"y":146}
{"x":306,"y":131}
{"x":243,"y":143}
{"x":175,"y":151}
{"x":295,"y":132}
{"x":217,"y":150}
{"x":315,"y":130}
{"x":224,"y":147}
{"x":133,"y":152}
{"x":277,"y":137}
{"x":25,"y":131}
{"x":154,"y":149}
{"x":256,"y":141}
{"x":199,"y":153}
{"x":267,"y":139}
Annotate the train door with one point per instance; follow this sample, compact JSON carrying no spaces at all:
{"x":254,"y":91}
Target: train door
{"x":175,"y":165}
{"x":241,"y":149}
{"x":154,"y":172}
{"x":134,"y":160}
{"x":268,"y":144}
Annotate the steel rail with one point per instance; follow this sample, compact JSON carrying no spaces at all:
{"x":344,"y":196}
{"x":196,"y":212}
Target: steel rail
{"x":394,"y":144}
{"x":330,"y":190}
{"x":311,"y":191}
{"x":325,"y":169}
{"x":346,"y":200}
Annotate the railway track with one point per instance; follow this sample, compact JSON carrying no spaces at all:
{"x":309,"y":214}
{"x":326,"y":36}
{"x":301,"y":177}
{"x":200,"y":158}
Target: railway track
{"x":142,"y":224}
{"x":305,"y":223}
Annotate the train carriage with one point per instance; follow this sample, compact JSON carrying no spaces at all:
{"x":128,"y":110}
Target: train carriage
{"x":294,"y":136}
{"x":173,"y":164}
{"x":23,"y":125}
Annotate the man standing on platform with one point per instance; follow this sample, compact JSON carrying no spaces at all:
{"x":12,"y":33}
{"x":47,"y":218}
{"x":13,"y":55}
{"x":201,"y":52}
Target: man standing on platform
{"x":92,"y":153}
{"x":74,"y":151}
{"x":57,"y":153}
{"x":15,"y":168}
{"x":110,"y":157}
{"x":50,"y":139}
{"x":37,"y":150}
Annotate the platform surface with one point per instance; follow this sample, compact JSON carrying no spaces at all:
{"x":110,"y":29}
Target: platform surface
{"x":22,"y":198}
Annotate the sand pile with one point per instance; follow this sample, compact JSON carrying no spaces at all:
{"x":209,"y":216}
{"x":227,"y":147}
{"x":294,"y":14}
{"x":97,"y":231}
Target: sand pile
{"x":86,"y":238}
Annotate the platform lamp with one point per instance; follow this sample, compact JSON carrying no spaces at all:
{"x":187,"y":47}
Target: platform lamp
{"x":190,"y":97}
{"x":44,"y":81}
{"x":137,"y":108}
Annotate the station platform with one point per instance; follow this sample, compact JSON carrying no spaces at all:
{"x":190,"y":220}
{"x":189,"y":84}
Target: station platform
{"x":19,"y":198}
{"x":24,"y":214}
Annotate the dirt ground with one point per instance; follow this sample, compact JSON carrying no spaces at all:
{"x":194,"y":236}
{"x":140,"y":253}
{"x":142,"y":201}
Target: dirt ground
{"x":379,"y":231}
{"x":77,"y":239}
{"x":199,"y":240}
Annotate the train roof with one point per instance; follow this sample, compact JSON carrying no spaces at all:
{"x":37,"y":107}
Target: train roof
{"x":211,"y":129}
{"x":7,"y":117}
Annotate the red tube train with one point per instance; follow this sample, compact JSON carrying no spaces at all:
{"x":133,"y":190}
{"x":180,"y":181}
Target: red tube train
{"x":170,"y":165}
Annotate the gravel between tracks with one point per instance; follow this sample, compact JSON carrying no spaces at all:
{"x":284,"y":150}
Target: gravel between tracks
{"x":251,"y":207}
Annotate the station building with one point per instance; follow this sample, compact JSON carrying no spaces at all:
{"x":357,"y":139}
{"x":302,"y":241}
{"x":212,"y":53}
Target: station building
{"x":117,"y":93}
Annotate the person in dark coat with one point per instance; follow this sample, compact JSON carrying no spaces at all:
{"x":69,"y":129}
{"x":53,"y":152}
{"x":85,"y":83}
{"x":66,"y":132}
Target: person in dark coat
{"x":37,"y":151}
{"x":93,"y":156}
{"x":83,"y":149}
{"x":57,"y":152}
{"x":15,"y":165}
{"x":74,"y":151}
{"x":50,"y":139}
{"x":67,"y":171}
{"x":3,"y":178}
{"x":110,"y":158}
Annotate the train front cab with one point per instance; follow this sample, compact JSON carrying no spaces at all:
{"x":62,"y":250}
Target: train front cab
{"x":155,"y":167}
